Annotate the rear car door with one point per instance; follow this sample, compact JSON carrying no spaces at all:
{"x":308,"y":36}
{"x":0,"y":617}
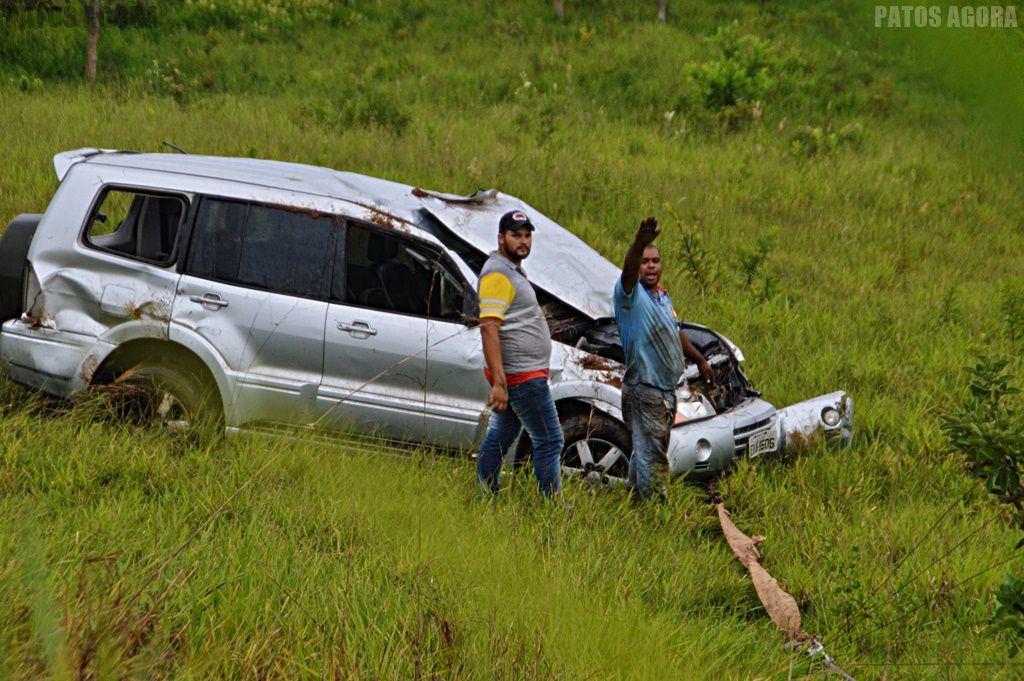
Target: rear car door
{"x":254,"y":287}
{"x":400,"y":357}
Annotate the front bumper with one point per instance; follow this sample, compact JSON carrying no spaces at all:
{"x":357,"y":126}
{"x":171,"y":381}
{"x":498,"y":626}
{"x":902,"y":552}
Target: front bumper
{"x":701,"y":449}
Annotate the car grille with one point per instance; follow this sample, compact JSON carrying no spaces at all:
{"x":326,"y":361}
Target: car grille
{"x":742,"y":434}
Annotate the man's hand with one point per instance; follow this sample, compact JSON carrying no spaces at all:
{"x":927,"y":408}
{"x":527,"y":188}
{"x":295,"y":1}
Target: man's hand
{"x":498,"y":401}
{"x":647,"y":232}
{"x":706,"y":373}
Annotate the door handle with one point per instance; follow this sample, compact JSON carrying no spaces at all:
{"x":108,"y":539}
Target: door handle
{"x":209,"y":301}
{"x":358,"y":327}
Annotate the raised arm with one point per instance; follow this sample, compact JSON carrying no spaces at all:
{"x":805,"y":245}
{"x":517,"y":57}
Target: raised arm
{"x":645,"y":236}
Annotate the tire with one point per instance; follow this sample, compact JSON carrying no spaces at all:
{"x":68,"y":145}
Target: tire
{"x":174,"y":398}
{"x":597,"y":449}
{"x":13,"y":261}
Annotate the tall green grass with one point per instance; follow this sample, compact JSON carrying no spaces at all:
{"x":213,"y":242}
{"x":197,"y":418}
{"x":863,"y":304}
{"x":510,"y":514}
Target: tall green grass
{"x":890,"y":261}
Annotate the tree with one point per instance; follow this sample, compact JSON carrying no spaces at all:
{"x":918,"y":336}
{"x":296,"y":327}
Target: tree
{"x":92,"y":20}
{"x":663,"y":11}
{"x":559,"y":8}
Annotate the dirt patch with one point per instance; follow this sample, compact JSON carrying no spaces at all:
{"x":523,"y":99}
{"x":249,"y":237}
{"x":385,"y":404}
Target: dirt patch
{"x":37,"y":320}
{"x":384,"y":220}
{"x":310,"y":212}
{"x":596,"y":363}
{"x":376,"y":213}
{"x":608,"y":372}
{"x":151,"y":309}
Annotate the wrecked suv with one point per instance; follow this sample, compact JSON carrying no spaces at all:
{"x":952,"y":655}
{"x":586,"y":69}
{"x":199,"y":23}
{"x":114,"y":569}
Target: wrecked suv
{"x":268,"y":295}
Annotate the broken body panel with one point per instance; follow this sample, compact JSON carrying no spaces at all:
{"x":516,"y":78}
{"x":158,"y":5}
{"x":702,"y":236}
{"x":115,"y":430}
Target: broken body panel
{"x":286,"y":360}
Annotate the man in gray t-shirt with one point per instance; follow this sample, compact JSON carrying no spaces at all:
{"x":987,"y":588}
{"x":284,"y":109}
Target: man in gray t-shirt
{"x":517,"y":352}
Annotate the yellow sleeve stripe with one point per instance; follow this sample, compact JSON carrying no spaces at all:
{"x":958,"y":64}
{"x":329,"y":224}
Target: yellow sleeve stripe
{"x":496,"y":292}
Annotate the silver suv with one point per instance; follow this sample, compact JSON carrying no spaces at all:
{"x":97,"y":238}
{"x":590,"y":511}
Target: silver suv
{"x":269,"y":295}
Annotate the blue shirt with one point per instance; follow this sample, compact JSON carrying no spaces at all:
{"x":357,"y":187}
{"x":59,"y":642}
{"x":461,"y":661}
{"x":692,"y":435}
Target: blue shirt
{"x":650,"y":337}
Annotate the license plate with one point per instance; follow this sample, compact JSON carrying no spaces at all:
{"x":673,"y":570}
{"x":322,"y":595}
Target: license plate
{"x":762,"y":443}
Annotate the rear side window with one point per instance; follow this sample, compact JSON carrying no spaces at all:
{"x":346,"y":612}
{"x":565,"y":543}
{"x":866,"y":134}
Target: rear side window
{"x":263,"y":247}
{"x":217,"y":239}
{"x":137,"y":224}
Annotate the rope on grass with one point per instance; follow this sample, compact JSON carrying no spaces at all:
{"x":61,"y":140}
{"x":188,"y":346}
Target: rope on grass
{"x":780,"y":605}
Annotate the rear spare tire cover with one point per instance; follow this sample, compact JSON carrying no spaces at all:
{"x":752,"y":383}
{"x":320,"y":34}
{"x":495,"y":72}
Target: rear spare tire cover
{"x":13,"y":259}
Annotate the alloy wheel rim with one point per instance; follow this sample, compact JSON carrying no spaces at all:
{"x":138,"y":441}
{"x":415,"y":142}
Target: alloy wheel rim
{"x":595,"y":461}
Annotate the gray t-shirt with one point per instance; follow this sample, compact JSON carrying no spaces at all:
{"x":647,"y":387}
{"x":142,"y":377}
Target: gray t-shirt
{"x":505,"y":293}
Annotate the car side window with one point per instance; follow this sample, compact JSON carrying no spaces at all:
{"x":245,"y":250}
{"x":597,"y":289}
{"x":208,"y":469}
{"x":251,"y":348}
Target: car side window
{"x":217,"y":239}
{"x":264,"y":247}
{"x":137,"y":224}
{"x":388,"y":272}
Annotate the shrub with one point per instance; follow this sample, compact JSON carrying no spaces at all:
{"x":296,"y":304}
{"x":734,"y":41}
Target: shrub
{"x":742,"y":75}
{"x":988,"y":430}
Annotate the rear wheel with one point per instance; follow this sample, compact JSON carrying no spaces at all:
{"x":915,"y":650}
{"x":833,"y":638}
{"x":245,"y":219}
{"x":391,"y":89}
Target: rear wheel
{"x":596,"y":451}
{"x":175,"y":398}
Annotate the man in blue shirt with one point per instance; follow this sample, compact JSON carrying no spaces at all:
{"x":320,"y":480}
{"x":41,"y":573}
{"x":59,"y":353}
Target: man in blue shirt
{"x":655,"y":348}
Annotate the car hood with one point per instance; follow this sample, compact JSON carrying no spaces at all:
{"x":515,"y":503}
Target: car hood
{"x":560,"y":263}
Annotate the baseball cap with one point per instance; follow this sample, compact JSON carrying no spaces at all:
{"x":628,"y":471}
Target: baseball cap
{"x":513,"y":220}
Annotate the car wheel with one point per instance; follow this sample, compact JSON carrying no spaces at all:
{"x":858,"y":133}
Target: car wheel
{"x":174,"y":398}
{"x":596,"y":452}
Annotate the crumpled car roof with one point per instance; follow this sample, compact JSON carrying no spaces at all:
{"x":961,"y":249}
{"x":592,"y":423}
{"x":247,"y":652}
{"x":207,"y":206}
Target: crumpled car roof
{"x":561,"y":263}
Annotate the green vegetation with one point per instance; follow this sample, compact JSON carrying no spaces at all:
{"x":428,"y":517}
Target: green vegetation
{"x":845,"y":211}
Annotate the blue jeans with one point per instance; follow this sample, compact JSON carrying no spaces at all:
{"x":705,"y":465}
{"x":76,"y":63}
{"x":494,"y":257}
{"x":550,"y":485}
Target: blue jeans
{"x":529,"y":406}
{"x":648,"y":413}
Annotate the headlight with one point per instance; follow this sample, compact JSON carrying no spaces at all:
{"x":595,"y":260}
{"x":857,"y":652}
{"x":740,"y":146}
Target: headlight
{"x":831,"y":417}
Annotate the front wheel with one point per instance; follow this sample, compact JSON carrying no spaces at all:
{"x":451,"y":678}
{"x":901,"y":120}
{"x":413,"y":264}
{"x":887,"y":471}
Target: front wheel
{"x":596,"y":452}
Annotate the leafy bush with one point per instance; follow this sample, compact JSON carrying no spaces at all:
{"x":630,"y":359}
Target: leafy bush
{"x":1009,"y":616}
{"x":740,"y":77}
{"x":988,"y":430}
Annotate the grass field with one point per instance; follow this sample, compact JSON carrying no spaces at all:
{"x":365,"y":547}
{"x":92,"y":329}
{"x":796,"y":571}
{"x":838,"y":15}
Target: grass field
{"x":859,"y":229}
